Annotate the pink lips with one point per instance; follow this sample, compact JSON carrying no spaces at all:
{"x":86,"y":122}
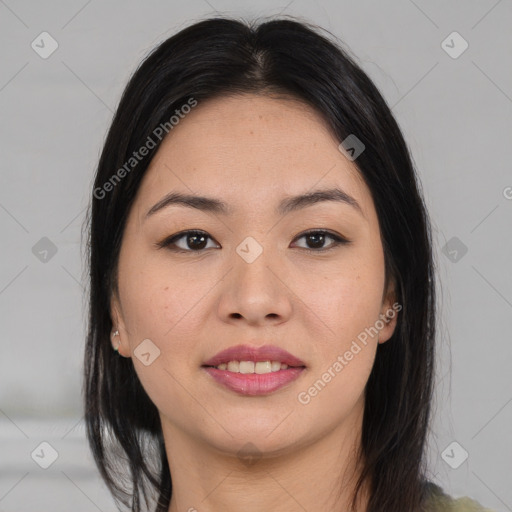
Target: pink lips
{"x":251,"y":383}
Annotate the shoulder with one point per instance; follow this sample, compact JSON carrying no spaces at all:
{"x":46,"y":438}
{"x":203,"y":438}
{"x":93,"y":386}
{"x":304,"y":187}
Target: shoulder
{"x":438,"y":501}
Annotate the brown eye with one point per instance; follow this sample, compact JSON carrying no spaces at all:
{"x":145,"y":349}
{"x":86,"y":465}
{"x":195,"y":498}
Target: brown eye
{"x":191,"y":241}
{"x":316,"y":239}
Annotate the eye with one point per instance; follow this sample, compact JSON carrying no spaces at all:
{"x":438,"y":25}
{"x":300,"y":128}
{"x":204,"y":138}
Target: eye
{"x":193,"y":241}
{"x":317,"y":238}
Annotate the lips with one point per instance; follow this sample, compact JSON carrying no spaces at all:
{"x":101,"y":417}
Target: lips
{"x":256,"y":354}
{"x":257,"y":383}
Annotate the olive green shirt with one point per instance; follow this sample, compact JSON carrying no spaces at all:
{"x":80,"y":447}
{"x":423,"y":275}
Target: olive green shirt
{"x":441,"y":502}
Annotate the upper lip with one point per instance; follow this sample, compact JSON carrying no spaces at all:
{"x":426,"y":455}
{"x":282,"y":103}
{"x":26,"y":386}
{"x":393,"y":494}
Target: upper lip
{"x":251,"y":353}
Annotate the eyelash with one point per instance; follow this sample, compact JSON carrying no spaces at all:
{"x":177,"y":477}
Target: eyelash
{"x":167,"y":242}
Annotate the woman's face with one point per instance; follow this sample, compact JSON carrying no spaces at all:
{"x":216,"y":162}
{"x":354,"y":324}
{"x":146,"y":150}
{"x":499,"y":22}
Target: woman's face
{"x":253,"y":276}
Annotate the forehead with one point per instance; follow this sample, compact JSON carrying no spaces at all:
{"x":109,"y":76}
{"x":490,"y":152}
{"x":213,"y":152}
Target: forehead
{"x":247,"y":149}
{"x":246,"y":126}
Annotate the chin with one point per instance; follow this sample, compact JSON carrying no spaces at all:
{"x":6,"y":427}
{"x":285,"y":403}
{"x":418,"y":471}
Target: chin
{"x":249,"y":449}
{"x":263,"y":437}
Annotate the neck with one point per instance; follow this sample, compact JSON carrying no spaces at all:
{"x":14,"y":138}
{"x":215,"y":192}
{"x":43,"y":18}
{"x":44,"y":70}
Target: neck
{"x":318,"y":476}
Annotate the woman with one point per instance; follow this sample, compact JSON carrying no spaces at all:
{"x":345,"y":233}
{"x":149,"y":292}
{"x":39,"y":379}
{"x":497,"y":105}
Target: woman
{"x":261,"y":264}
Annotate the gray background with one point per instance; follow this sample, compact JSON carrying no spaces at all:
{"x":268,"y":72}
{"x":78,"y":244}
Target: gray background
{"x":456,"y":116}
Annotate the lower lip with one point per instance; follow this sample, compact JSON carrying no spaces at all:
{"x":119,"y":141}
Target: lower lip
{"x":254,"y":384}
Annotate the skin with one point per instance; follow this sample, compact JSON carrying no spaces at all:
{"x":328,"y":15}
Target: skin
{"x":252,"y":151}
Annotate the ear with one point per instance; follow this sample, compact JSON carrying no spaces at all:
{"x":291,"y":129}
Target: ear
{"x":389,"y":313}
{"x":121,"y":340}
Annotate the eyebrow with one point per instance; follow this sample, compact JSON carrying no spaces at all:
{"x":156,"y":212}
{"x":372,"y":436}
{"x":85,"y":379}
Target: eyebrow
{"x":287,"y":205}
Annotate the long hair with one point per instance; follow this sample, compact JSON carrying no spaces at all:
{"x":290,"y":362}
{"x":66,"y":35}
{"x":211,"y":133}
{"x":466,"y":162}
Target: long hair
{"x":222,"y":56}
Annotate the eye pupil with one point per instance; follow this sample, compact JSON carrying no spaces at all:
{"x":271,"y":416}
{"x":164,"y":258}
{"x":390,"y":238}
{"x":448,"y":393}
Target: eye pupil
{"x":318,"y":239}
{"x":195,"y":236}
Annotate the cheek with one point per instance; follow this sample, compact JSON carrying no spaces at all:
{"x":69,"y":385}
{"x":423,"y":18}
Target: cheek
{"x":336,"y":392}
{"x":168,"y":307}
{"x":157,"y":301}
{"x":343,"y":359}
{"x":347,"y":299}
{"x":159,"y":307}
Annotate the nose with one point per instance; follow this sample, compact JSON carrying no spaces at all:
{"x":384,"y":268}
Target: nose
{"x":255,"y":292}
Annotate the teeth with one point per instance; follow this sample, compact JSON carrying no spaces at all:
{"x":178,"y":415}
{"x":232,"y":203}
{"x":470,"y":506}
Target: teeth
{"x":246,"y":366}
{"x":234,"y":366}
{"x":260,"y":367}
{"x":263,"y":367}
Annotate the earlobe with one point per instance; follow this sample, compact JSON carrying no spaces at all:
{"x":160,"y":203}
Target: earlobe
{"x":388,"y":324}
{"x":117,"y":343}
{"x":389,"y":315}
{"x":118,"y":334}
{"x":115,"y":340}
